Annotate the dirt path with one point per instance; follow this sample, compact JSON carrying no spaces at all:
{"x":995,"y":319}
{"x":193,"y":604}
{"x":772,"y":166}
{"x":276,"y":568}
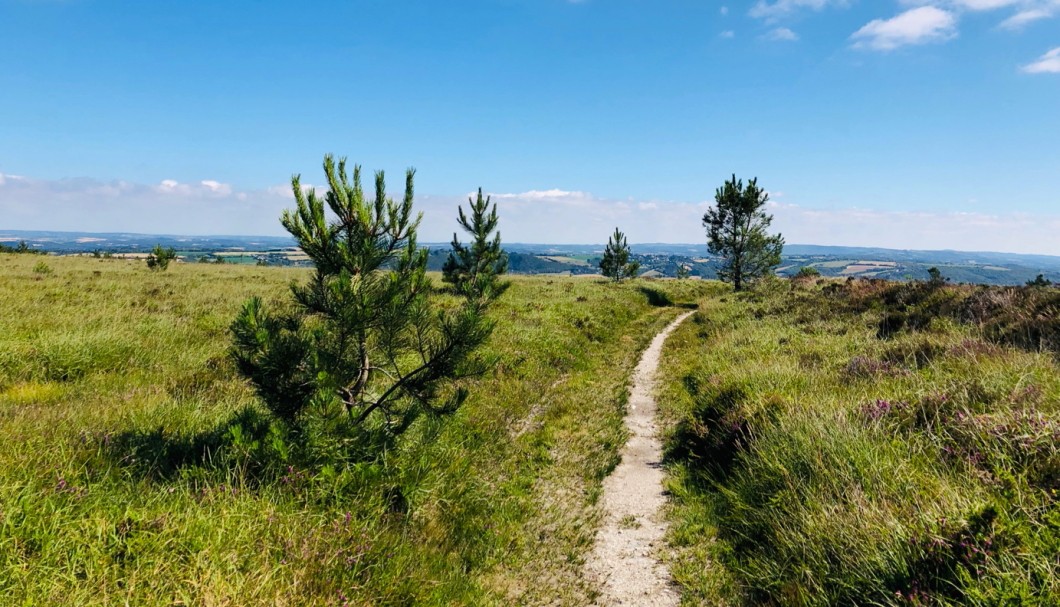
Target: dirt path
{"x":624,"y":560}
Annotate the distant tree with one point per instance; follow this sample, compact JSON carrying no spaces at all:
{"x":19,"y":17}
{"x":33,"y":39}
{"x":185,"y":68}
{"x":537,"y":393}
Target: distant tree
{"x":365,"y":333}
{"x":475,"y":270}
{"x":159,"y":258}
{"x":736,"y":231}
{"x":615,"y":263}
{"x":22,"y":247}
{"x":682,"y":271}
{"x":1040,"y":282}
{"x":935,"y":278}
{"x":808,"y":272}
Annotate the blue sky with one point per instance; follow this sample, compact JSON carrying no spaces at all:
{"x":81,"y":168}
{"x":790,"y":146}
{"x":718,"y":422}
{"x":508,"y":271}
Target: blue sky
{"x":903,"y":123}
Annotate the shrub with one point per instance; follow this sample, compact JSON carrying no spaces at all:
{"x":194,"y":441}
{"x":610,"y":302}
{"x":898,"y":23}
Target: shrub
{"x":159,"y":258}
{"x":366,"y":334}
{"x":1040,"y":281}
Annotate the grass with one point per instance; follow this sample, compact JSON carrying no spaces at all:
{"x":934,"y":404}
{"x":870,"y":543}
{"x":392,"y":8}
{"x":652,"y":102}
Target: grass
{"x":816,"y":458}
{"x":137,"y":468}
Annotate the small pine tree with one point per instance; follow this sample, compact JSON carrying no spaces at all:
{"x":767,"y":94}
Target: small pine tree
{"x":935,"y":278}
{"x":475,"y":270}
{"x":683,"y":272}
{"x":22,"y":247}
{"x":159,"y":258}
{"x":615,"y":263}
{"x":365,"y":333}
{"x":1040,"y":282}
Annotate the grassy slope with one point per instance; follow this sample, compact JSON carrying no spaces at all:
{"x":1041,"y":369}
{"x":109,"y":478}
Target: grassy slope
{"x":135,"y":467}
{"x":814,"y":463}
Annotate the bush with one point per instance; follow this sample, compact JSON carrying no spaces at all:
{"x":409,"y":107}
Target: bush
{"x":158,"y":259}
{"x":366,"y":335}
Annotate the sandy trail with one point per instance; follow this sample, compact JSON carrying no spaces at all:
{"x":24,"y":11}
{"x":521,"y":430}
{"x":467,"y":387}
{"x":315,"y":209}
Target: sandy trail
{"x":624,"y":560}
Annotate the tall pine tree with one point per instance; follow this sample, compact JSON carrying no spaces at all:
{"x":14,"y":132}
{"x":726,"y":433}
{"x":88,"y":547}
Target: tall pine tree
{"x":475,"y":270}
{"x":736,"y":231}
{"x":615,"y":263}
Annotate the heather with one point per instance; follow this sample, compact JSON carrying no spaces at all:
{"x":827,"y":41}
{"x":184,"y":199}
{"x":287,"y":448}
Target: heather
{"x":866,"y":442}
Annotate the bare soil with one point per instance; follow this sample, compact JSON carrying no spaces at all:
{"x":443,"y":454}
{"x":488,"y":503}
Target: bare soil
{"x":625,"y":560}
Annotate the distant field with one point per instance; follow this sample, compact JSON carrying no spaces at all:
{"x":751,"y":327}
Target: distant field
{"x":563,"y":259}
{"x":957,"y":266}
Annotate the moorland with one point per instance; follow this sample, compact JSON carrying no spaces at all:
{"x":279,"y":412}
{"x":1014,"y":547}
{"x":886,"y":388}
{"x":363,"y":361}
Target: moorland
{"x":828,"y":441}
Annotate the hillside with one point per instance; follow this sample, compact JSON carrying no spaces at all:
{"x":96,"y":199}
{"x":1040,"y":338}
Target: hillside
{"x":827,"y":442}
{"x":835,"y":443}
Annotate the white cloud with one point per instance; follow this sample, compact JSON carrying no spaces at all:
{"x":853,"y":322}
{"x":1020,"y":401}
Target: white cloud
{"x":1011,"y":232}
{"x":782,"y":34}
{"x":283,"y":190}
{"x":168,"y":207}
{"x":1048,"y":63}
{"x":915,"y":26}
{"x":204,"y":187}
{"x":216,"y":187}
{"x":984,"y":5}
{"x":728,"y":34}
{"x":542,"y":216}
{"x":972,"y":5}
{"x":782,"y":8}
{"x":724,"y":10}
{"x":1026,"y":17}
{"x":553,"y":195}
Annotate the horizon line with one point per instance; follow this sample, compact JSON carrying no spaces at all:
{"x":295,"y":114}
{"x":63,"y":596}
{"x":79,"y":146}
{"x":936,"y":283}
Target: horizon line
{"x":539,"y":244}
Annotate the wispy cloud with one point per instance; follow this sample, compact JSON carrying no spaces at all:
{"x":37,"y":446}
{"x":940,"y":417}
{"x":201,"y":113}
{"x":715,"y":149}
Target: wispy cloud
{"x":727,"y":34}
{"x":1026,"y":11}
{"x":763,"y":9}
{"x":919,"y":25}
{"x":782,"y":34}
{"x":1010,"y":232}
{"x":169,"y":206}
{"x":1025,"y":17}
{"x":554,"y":195}
{"x":1048,"y":63}
{"x":984,"y":5}
{"x":550,"y":215}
